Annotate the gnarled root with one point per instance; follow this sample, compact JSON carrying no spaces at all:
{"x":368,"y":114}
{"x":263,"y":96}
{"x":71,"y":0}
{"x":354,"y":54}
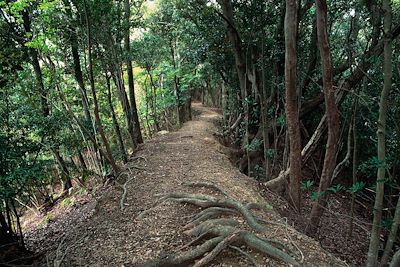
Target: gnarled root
{"x":206,"y":201}
{"x":221,"y":232}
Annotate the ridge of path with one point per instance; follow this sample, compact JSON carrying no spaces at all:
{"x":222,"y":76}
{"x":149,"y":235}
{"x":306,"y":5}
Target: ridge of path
{"x":111,"y":237}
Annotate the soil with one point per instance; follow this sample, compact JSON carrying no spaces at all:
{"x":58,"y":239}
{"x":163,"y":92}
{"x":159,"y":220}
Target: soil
{"x":96,"y":232}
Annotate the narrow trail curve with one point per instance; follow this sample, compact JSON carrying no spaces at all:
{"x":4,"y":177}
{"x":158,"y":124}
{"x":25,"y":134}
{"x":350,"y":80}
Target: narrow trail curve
{"x":111,"y":237}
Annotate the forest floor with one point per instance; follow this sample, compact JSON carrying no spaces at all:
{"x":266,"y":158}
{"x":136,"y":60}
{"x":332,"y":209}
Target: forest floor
{"x":97,"y":232}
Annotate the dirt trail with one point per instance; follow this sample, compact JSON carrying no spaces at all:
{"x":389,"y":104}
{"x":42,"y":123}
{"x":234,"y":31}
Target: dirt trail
{"x":111,"y":237}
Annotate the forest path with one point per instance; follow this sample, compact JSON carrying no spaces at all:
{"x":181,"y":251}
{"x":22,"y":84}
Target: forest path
{"x":115,"y":237}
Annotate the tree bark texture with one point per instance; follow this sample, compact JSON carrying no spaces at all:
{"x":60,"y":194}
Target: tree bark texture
{"x":381,"y":132}
{"x":115,"y":122}
{"x":131,"y":84}
{"x":332,"y":116}
{"x":291,"y":104}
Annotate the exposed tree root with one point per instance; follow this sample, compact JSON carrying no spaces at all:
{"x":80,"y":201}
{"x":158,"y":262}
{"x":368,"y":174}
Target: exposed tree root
{"x":122,"y":201}
{"x":205,"y":201}
{"x":138,"y":157}
{"x":217,"y":249}
{"x":184,"y":258}
{"x":221,"y":232}
{"x":208,"y":214}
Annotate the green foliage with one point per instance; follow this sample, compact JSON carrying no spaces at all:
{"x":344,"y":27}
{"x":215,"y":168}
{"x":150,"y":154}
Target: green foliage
{"x":67,"y":202}
{"x":270,"y":153}
{"x":316,"y":195}
{"x":48,"y":218}
{"x":306,"y":185}
{"x":255,"y":145}
{"x":387,"y":223}
{"x":372,"y":164}
{"x":356,"y":187}
{"x":335,"y":189}
{"x":178,"y":50}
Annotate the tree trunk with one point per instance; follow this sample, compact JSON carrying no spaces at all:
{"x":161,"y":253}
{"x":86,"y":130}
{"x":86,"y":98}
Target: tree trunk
{"x":392,"y":235}
{"x":383,"y":104}
{"x":345,"y":87}
{"x":66,"y":182}
{"x":381,"y":132}
{"x":82,"y":127}
{"x":36,"y":67}
{"x":77,"y":64}
{"x":291,"y":104}
{"x":99,"y":124}
{"x":131,"y":84}
{"x":234,"y":38}
{"x":115,"y":121}
{"x":332,"y":117}
{"x":176,"y":84}
{"x":66,"y":179}
{"x":153,"y":93}
{"x":117,"y":77}
{"x":354,"y":169}
{"x":396,"y":259}
{"x":82,"y":160}
{"x":264,"y":120}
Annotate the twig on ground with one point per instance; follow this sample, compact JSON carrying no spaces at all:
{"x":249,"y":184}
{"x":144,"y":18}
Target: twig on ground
{"x":60,"y":255}
{"x":138,"y":157}
{"x":218,"y":248}
{"x":139,"y":168}
{"x":292,"y":242}
{"x":194,"y":241}
{"x":122,"y":201}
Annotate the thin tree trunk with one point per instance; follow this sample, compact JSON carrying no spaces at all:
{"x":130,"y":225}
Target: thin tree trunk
{"x":176,"y":85}
{"x":154,"y":100}
{"x":36,"y":67}
{"x":66,"y":179}
{"x":345,"y":87}
{"x":395,"y":260}
{"x":291,"y":104}
{"x":117,"y":77}
{"x":77,"y":64}
{"x":115,"y":121}
{"x":381,"y":132}
{"x":264,"y":122}
{"x":43,"y":97}
{"x":354,"y":169}
{"x":312,"y":59}
{"x":392,"y":235}
{"x":93,"y":89}
{"x":234,"y":38}
{"x":332,"y":115}
{"x":82,"y":160}
{"x":84,"y":130}
{"x":131,"y":84}
{"x":21,"y":235}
